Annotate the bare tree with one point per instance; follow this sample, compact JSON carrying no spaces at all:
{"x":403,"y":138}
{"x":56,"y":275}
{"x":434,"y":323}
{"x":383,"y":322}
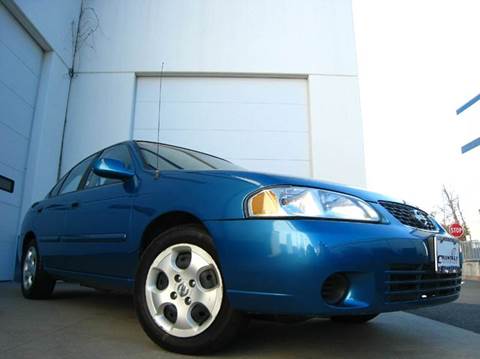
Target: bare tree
{"x":451,"y":212}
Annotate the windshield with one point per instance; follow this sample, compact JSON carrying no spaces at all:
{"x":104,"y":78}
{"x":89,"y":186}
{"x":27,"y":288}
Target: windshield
{"x":166,"y":157}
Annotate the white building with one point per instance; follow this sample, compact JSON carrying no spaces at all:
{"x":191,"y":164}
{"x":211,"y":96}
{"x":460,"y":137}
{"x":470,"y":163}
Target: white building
{"x":269,"y":84}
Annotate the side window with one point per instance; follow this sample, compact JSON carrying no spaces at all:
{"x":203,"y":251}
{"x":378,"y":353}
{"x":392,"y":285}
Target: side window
{"x":119,"y":153}
{"x":73,"y":179}
{"x":165,"y":157}
{"x":56,"y":188}
{"x":154,"y":160}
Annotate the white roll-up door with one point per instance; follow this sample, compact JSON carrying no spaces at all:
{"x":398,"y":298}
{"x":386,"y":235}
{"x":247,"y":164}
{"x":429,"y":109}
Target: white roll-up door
{"x":20,"y":67}
{"x":258,"y":123}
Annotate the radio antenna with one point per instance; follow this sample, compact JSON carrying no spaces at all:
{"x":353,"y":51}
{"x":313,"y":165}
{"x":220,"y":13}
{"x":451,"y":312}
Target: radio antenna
{"x":157,"y":172}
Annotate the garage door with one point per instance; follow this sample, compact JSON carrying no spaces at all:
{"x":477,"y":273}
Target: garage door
{"x":20,"y":65}
{"x":258,"y":123}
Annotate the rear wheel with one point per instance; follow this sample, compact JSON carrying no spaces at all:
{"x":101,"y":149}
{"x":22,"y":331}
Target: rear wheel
{"x":354,"y":319}
{"x":36,"y":283}
{"x":179,"y":294}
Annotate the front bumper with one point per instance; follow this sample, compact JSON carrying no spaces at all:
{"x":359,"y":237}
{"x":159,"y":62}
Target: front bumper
{"x":278,"y":266}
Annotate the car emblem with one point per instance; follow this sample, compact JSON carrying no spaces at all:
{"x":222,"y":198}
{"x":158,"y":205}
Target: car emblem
{"x":420,"y":217}
{"x":182,"y":289}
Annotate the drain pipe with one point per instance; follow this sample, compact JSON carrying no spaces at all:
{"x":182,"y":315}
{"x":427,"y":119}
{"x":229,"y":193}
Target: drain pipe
{"x":71,"y":73}
{"x":76,"y":44}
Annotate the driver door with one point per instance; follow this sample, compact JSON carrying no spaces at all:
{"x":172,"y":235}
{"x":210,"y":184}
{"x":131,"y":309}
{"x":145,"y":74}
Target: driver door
{"x":98,"y":224}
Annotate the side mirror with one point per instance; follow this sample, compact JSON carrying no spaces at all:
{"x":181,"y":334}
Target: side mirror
{"x":110,"y":168}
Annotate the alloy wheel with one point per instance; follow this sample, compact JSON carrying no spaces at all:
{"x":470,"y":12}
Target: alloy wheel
{"x":184,"y":290}
{"x":29,"y":267}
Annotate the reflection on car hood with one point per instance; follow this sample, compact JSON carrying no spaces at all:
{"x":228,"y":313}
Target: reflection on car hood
{"x":267,"y":179}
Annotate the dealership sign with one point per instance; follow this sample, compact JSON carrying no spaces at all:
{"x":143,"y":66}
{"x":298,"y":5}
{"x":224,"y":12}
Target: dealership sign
{"x":455,"y":230}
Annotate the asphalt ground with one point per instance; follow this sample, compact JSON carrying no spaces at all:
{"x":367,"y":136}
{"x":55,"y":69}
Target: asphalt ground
{"x":463,"y":313}
{"x":82,"y":323}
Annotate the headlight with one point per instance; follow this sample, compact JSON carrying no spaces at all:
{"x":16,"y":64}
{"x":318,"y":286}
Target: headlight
{"x":290,"y":201}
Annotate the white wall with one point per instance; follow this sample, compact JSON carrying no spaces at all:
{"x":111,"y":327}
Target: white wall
{"x":337,"y":132}
{"x":47,"y":130}
{"x":100,"y":113}
{"x":310,"y":38}
{"x":56,"y":21}
{"x":51,"y":24}
{"x":264,"y":36}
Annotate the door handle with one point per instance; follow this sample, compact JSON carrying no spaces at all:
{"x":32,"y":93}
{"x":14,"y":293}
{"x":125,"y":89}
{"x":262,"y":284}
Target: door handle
{"x":75,"y":204}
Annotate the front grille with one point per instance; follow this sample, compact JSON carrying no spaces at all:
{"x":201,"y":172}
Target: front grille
{"x":409,"y":215}
{"x":419,"y":282}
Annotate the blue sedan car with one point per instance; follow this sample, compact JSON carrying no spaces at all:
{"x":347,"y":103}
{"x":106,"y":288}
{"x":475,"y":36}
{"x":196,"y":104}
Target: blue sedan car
{"x":203,"y":245}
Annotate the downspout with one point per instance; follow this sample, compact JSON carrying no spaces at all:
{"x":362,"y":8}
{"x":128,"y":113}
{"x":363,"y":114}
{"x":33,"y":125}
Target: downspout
{"x":71,"y":74}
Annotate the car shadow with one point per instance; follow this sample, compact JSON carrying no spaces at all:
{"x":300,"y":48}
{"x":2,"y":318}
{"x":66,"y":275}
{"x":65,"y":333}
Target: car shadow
{"x":316,"y":336}
{"x":84,"y":298}
{"x":389,"y":335}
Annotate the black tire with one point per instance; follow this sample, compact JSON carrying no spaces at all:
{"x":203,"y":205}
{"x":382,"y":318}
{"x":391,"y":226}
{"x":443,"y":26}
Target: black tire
{"x":42,"y":284}
{"x":353,"y":319}
{"x":222,"y":330}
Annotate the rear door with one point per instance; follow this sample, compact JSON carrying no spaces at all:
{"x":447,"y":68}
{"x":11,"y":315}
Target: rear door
{"x":98,"y":224}
{"x":51,"y":220}
{"x":49,"y":225}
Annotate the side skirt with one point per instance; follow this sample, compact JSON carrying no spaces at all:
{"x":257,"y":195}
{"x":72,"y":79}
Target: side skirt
{"x":93,"y":280}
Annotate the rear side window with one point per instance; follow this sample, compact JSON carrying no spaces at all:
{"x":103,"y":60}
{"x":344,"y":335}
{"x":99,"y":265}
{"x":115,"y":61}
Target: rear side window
{"x":119,"y":153}
{"x":71,"y":183}
{"x":56,"y":188}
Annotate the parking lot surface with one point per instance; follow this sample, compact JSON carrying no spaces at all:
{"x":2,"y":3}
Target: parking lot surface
{"x":82,"y":323}
{"x":463,"y":313}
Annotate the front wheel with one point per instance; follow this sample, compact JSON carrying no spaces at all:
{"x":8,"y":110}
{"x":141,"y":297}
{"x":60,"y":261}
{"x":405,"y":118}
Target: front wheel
{"x":354,"y":319}
{"x":180,"y":297}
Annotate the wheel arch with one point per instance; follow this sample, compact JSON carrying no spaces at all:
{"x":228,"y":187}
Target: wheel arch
{"x":27,"y":237}
{"x":164,"y":222}
{"x":22,"y":241}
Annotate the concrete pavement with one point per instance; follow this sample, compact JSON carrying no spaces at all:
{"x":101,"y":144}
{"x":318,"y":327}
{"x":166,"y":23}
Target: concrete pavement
{"x":463,"y":313}
{"x":81,"y":323}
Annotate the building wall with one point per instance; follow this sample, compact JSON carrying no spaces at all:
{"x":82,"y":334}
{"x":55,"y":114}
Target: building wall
{"x":50,"y":23}
{"x":310,"y":39}
{"x":258,"y":123}
{"x":56,"y":21}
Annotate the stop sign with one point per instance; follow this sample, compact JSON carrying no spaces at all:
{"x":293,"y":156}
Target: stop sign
{"x":455,"y":230}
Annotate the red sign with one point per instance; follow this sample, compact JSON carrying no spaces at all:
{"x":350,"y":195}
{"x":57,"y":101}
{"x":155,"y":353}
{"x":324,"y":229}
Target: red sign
{"x":455,"y":230}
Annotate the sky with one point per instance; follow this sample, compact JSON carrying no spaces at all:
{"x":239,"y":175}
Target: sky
{"x":418,"y":61}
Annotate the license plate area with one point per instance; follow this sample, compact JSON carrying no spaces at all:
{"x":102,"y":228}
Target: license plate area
{"x":447,"y":255}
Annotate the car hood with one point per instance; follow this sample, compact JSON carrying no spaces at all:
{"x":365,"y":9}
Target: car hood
{"x":261,"y":179}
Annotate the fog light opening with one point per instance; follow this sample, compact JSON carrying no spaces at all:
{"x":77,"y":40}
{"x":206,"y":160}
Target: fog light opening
{"x":335,"y":289}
